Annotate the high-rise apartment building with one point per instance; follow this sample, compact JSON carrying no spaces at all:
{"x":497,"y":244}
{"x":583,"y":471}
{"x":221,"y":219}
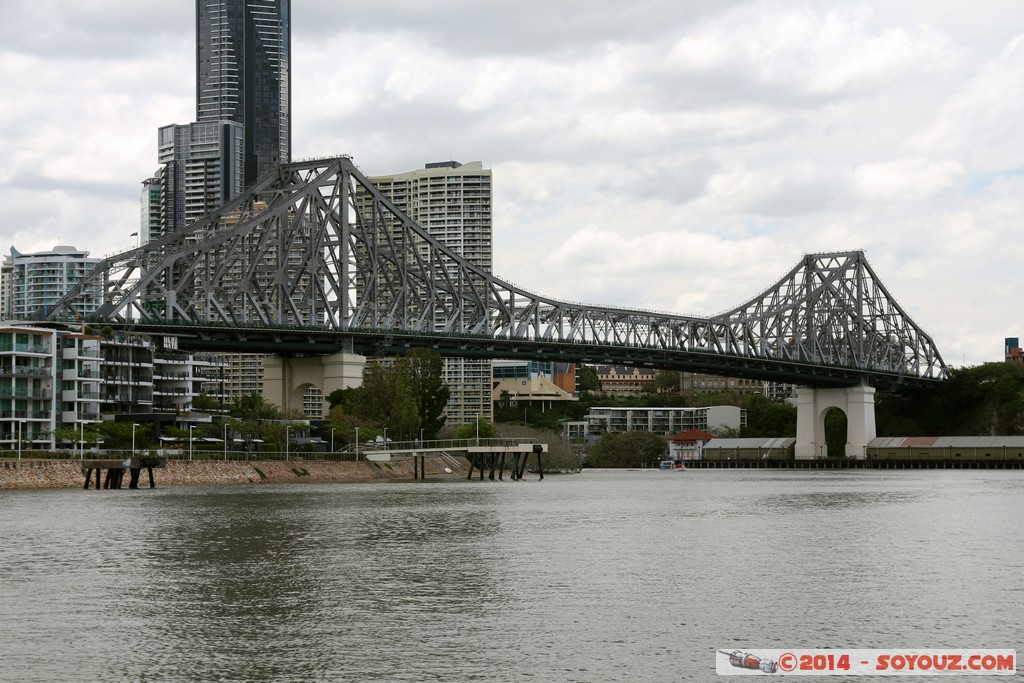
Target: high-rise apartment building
{"x":243,"y":74}
{"x":34,"y":282}
{"x":452,"y":201}
{"x":201,"y":169}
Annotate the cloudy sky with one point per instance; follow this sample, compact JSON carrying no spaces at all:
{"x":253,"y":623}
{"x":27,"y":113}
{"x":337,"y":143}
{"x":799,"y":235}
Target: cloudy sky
{"x":677,"y":155}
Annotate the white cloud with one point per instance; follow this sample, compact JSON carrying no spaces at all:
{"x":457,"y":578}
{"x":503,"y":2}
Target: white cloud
{"x":657,"y":154}
{"x":906,"y":180}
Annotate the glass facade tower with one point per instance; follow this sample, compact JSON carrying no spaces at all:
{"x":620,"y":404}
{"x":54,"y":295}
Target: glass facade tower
{"x":243,"y":51}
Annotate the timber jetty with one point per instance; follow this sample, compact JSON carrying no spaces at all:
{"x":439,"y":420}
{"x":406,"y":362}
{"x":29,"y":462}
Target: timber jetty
{"x":116,"y":470}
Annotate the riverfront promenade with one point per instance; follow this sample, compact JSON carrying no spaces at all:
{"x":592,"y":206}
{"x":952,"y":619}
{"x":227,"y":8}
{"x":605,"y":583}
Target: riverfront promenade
{"x":56,"y":474}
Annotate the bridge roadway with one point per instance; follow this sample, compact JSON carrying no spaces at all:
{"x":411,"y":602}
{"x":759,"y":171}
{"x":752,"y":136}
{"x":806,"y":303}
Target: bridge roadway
{"x":313,"y":340}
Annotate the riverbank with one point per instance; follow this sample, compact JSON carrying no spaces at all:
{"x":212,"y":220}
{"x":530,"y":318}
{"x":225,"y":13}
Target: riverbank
{"x":59,"y":474}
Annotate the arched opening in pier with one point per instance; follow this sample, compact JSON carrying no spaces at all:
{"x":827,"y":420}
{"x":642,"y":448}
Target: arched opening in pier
{"x":836,"y":434}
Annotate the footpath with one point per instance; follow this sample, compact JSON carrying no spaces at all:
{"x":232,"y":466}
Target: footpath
{"x":58,"y":474}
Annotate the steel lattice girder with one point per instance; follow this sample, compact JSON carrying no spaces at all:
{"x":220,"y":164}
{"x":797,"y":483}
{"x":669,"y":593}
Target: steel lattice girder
{"x":317,"y":246}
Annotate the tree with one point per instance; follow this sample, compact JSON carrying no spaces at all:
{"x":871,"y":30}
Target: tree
{"x":388,"y":400}
{"x":479,"y":427}
{"x":204,"y":403}
{"x":768,"y":419}
{"x":666,"y":382}
{"x":561,"y":456}
{"x":348,"y":399}
{"x":424,"y":370}
{"x":254,"y":408}
{"x":119,"y":435}
{"x":627,"y":449}
{"x":586,"y":379}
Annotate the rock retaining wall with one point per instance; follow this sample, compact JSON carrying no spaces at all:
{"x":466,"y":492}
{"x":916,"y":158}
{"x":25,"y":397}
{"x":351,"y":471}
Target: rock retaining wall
{"x":53,"y":474}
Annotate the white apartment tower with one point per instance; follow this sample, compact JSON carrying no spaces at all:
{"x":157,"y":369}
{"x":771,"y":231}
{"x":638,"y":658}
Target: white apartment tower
{"x":34,"y":282}
{"x":452,"y":201}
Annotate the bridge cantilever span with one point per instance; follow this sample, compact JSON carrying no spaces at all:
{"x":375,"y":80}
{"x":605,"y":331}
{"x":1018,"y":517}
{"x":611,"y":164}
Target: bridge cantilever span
{"x":313,"y":259}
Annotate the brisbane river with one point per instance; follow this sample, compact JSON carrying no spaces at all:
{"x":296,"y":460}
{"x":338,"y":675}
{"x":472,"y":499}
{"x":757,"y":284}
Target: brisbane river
{"x":601,"y":576}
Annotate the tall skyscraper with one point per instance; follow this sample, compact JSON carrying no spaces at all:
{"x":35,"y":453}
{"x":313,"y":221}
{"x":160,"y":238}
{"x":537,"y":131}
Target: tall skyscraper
{"x":243,"y":52}
{"x":452,"y":201}
{"x":243,"y":112}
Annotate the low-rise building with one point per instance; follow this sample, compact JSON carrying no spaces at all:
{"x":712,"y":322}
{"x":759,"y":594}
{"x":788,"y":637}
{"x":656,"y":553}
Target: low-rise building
{"x":688,"y":445}
{"x":663,"y":420}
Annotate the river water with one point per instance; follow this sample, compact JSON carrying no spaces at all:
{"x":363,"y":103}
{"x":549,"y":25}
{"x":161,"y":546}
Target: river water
{"x":601,"y":576}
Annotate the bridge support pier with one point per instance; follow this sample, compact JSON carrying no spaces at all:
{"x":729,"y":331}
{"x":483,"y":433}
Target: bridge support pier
{"x":286,"y":378}
{"x":858,"y":403}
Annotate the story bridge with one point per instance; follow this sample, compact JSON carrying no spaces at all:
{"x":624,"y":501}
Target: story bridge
{"x":314,"y":262}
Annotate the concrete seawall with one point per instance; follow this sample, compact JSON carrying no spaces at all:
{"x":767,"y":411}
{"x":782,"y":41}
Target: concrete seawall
{"x":56,"y":474}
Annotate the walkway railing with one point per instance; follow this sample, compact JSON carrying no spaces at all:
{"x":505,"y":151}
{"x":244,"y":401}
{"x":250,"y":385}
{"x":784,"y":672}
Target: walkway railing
{"x":346,"y":453}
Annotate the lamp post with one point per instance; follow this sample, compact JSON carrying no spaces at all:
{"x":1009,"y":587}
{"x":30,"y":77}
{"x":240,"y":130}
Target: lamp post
{"x":385,"y":438}
{"x":287,"y":438}
{"x":332,"y":441}
{"x":225,"y":442}
{"x":357,"y":444}
{"x":21,"y":424}
{"x":134,"y":425}
{"x":81,"y":437}
{"x":190,"y":428}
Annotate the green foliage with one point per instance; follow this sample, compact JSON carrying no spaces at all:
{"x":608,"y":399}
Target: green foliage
{"x":408,"y":397}
{"x":982,"y":400}
{"x":627,"y":449}
{"x":561,"y":455}
{"x":479,"y":427}
{"x":118,"y":435}
{"x":388,"y":400}
{"x":767,"y":418}
{"x":254,"y":407}
{"x":423,"y":370}
{"x":204,"y":403}
{"x":586,"y":379}
{"x":666,"y":381}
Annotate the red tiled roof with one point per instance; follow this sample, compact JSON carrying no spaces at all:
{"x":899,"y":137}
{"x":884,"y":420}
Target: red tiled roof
{"x":691,"y":435}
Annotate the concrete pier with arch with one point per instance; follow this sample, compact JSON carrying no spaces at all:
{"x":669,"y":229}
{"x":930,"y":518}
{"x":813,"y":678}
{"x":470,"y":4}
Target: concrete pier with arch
{"x":858,"y":403}
{"x":286,"y":378}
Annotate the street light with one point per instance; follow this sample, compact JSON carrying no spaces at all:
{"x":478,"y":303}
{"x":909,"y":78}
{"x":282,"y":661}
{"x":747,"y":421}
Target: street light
{"x":81,"y":437}
{"x":385,"y":438}
{"x":332,"y":441}
{"x":190,"y":428}
{"x":357,"y":444}
{"x":287,"y":438}
{"x":225,"y":442}
{"x":134,"y":425}
{"x":21,"y":424}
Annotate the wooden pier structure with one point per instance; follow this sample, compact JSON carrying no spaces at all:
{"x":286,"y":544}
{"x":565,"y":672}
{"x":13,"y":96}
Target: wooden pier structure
{"x":116,"y":470}
{"x":485,"y":455}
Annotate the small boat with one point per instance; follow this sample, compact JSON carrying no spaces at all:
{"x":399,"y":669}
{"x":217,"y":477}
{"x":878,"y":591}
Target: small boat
{"x":672,"y":465}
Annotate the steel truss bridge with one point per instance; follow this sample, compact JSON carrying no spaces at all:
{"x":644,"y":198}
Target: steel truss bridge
{"x":313,"y":259}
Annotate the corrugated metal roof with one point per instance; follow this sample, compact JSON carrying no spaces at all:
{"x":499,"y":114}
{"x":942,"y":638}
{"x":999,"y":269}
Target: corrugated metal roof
{"x":947,"y":442}
{"x":757,"y":442}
